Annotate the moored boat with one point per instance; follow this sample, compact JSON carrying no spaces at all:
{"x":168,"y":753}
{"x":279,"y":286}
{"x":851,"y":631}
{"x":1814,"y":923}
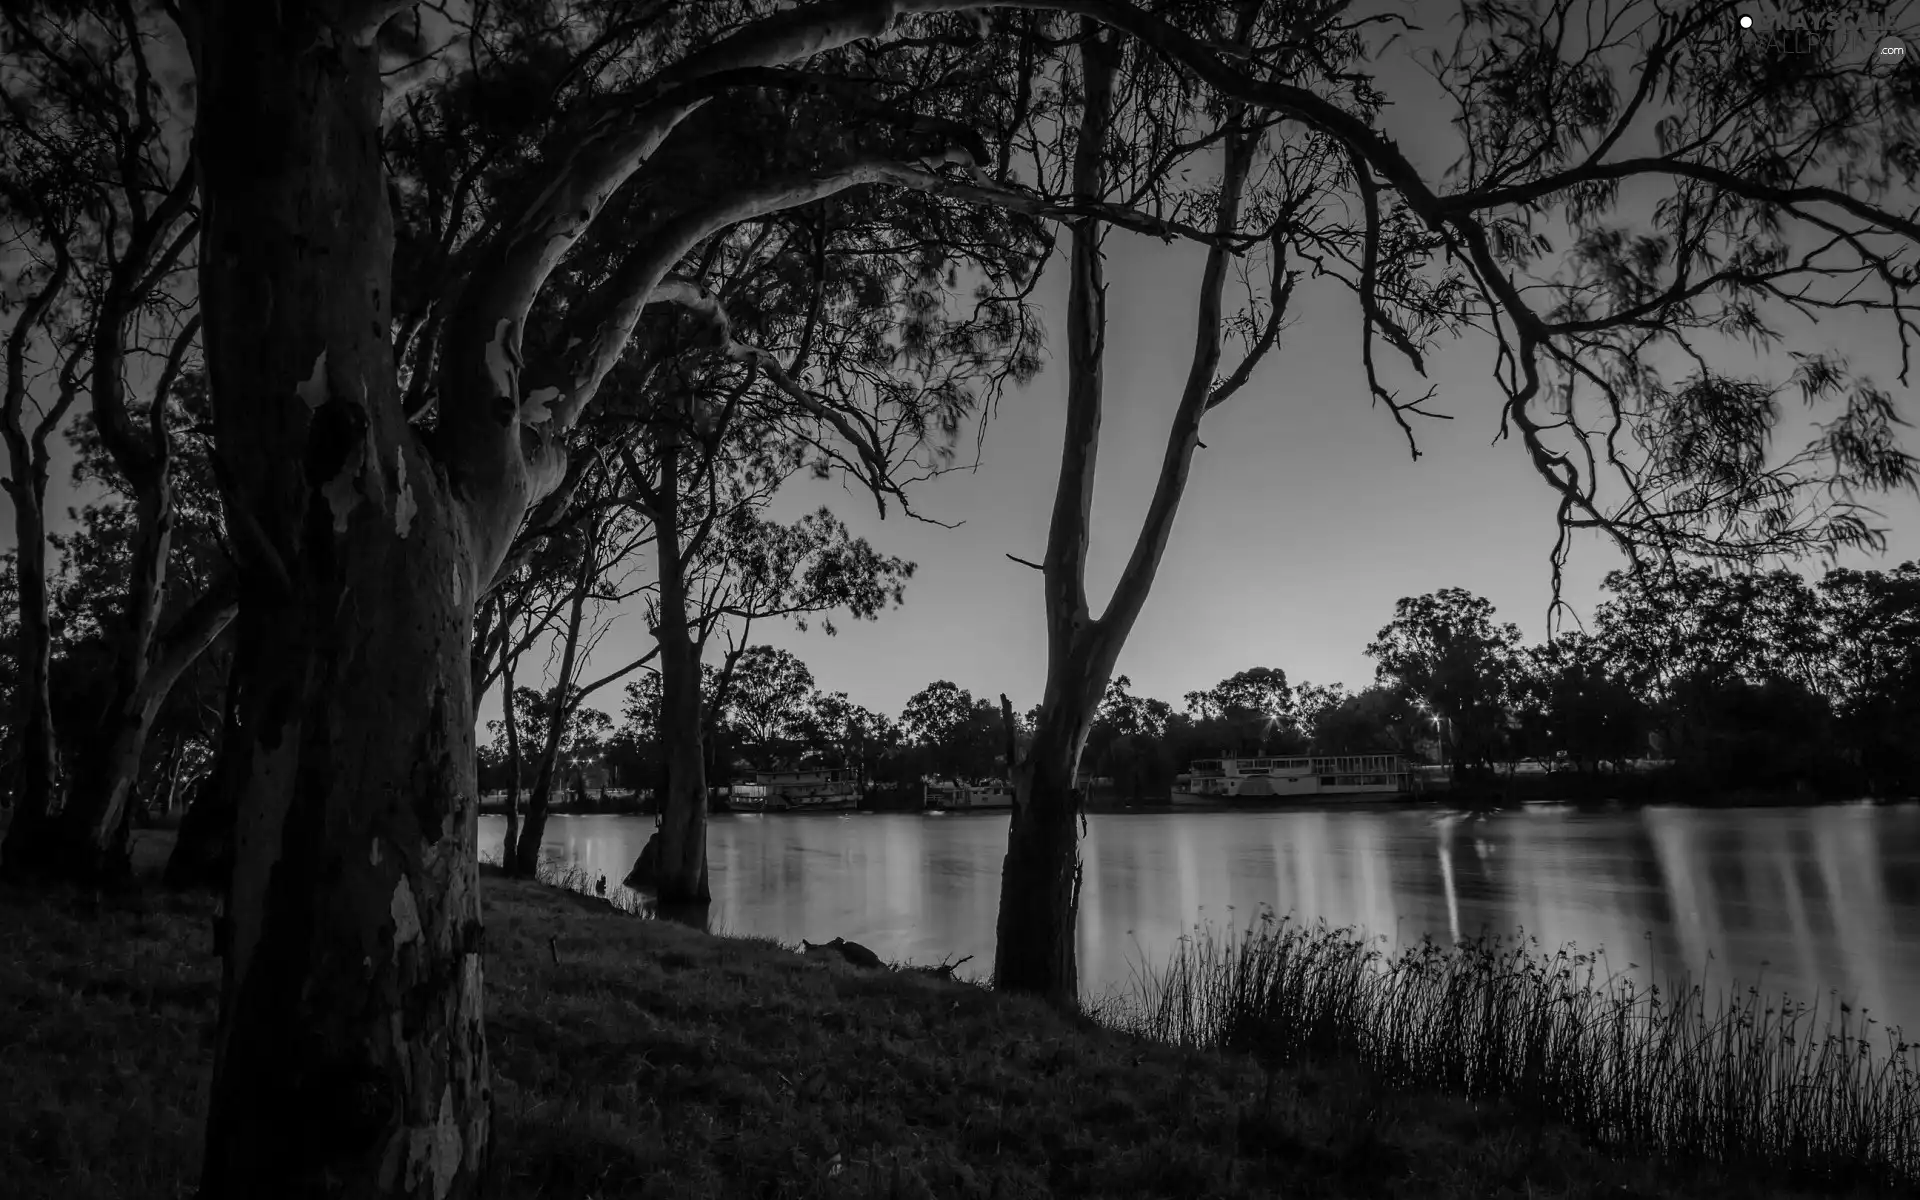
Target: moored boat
{"x":821,"y":789}
{"x":740,"y":798}
{"x":1236,"y":781}
{"x":960,"y":797}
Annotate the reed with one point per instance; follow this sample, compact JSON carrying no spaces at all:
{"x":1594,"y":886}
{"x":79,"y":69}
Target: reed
{"x":1743,"y":1078}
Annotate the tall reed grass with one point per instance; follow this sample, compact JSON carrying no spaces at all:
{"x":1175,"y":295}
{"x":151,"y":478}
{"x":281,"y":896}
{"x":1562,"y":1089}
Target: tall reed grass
{"x":1744,"y":1078}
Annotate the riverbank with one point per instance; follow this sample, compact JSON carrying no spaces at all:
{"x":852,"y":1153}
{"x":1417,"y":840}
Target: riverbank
{"x":643,"y":1057}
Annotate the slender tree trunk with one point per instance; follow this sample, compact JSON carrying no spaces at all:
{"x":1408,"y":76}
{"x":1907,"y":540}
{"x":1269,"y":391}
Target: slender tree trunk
{"x":526,"y":859}
{"x":350,"y":1056}
{"x":28,"y":843}
{"x":1039,"y":881}
{"x":169,"y":785}
{"x":508,"y":848}
{"x":104,"y":782}
{"x":682,"y":872}
{"x":37,"y":776}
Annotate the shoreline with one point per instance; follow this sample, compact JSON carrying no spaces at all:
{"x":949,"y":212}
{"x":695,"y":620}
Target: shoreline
{"x":634,"y":1054}
{"x":1474,"y":798}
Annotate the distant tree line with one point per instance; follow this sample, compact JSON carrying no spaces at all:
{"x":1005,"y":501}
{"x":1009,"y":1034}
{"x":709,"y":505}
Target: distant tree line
{"x":1724,"y":681}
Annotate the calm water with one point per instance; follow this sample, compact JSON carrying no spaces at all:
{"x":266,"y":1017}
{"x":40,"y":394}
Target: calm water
{"x":1812,"y":901}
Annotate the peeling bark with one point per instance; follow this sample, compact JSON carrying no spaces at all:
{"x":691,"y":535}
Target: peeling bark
{"x":351,"y":982}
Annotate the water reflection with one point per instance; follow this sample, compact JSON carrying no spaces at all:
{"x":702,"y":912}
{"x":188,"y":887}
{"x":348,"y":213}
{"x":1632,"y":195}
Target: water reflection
{"x":1823,"y":903}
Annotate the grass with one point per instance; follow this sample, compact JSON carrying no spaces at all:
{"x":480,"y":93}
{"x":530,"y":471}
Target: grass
{"x":638,"y":1058}
{"x":1745,"y":1080}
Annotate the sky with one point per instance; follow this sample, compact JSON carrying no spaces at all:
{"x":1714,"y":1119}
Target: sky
{"x":1304,"y":521}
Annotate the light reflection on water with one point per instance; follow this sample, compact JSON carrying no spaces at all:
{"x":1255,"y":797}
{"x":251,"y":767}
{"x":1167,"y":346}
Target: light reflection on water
{"x":1816,"y":901}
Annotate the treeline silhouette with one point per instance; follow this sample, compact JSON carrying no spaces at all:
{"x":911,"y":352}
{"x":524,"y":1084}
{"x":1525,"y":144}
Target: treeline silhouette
{"x":1686,"y":682}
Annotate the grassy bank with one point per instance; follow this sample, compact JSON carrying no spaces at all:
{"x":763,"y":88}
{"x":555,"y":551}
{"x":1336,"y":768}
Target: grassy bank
{"x":643,"y":1058}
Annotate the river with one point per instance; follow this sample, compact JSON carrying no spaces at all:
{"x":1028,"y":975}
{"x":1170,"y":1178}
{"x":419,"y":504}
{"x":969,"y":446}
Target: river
{"x":1821,"y":902}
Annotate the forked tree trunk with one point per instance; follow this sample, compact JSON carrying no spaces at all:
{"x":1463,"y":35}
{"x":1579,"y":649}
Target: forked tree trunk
{"x":104,"y":780}
{"x":91,"y":829}
{"x":681,"y":873}
{"x":1039,"y":885}
{"x":350,"y":1056}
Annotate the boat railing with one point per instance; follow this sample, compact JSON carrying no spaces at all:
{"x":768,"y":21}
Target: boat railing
{"x":1338,"y":764}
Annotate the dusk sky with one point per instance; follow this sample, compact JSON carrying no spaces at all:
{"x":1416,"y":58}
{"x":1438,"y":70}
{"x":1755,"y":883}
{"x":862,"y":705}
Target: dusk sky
{"x":1303,"y":522}
{"x":1304,"y":519}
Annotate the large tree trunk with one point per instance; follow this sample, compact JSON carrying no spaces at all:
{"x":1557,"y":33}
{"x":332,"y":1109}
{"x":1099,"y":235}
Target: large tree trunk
{"x":350,"y":1056}
{"x":1034,"y":947}
{"x":681,"y":874}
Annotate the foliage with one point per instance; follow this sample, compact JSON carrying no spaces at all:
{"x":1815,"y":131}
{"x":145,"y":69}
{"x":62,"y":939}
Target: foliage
{"x":582,"y":741}
{"x":1445,"y":650}
{"x":957,"y":736}
{"x":1760,"y":682}
{"x":769,"y":697}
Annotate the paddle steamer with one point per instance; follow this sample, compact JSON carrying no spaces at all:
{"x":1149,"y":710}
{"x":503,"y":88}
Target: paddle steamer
{"x":960,"y":797}
{"x":1232,"y":781}
{"x":821,"y":789}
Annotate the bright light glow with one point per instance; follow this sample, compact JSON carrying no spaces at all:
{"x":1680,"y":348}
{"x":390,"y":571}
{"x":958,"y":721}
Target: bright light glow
{"x":1746,"y":22}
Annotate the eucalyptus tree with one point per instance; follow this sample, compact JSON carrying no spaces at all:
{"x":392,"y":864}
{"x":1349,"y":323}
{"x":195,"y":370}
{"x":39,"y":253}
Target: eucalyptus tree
{"x":1707,"y":189}
{"x":97,"y":200}
{"x":956,"y":735}
{"x":400,"y":475}
{"x":598,"y":548}
{"x":1254,"y":704}
{"x":1873,"y":639}
{"x":768,"y":699}
{"x":96,"y":558}
{"x":722,"y":567}
{"x":1576,"y":705}
{"x":333,"y":491}
{"x":845,"y":734}
{"x":1447,"y":651}
{"x":1128,"y":739}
